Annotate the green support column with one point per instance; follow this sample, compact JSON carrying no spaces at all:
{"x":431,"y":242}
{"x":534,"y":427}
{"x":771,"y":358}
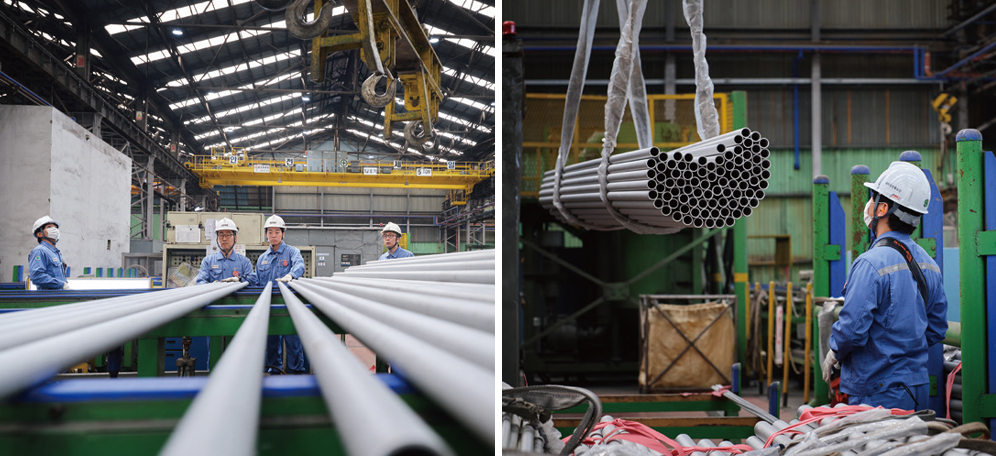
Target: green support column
{"x":821,"y":273}
{"x":859,"y":197}
{"x":216,"y":344}
{"x":972,"y":270}
{"x":738,"y":101}
{"x":151,"y":348}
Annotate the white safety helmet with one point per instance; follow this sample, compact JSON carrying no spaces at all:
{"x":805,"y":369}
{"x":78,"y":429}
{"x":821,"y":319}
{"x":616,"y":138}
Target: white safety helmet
{"x":906,"y":184}
{"x":276,"y":221}
{"x":42,"y":222}
{"x":393,"y":227}
{"x":226,"y":224}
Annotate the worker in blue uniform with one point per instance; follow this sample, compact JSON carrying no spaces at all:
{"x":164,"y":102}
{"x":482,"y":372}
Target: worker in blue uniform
{"x":281,"y":263}
{"x":48,"y":271}
{"x":226,"y":265}
{"x":45,"y":266}
{"x":886,"y":326}
{"x":392,"y":238}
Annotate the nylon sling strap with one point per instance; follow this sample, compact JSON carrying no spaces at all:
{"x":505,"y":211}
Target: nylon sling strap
{"x":921,"y":281}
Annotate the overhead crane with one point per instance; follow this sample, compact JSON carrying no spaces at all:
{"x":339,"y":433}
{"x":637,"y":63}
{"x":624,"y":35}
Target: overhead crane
{"x":235,"y":167}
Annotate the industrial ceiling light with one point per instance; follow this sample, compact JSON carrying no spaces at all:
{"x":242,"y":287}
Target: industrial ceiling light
{"x":229,"y":128}
{"x":177,"y":32}
{"x":434,"y":40}
{"x":305,"y":98}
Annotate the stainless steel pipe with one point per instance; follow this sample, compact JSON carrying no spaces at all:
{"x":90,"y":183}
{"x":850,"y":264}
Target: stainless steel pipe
{"x":466,"y":391}
{"x":468,"y":343}
{"x":228,"y":405}
{"x":361,"y":407}
{"x":39,"y":360}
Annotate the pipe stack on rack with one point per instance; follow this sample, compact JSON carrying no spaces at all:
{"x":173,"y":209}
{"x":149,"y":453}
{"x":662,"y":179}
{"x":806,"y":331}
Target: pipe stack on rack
{"x":430,"y":317}
{"x":709,"y":184}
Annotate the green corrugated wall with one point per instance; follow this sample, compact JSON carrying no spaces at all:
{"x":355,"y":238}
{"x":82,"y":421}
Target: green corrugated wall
{"x":787,"y":206}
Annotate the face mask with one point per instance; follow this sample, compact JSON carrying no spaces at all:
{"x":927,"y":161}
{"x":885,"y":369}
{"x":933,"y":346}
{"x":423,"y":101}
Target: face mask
{"x":868,"y":218}
{"x":52,"y":233}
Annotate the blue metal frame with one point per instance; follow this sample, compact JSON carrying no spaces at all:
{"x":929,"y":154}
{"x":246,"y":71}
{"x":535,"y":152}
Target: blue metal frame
{"x":838,"y":223}
{"x":989,"y":202}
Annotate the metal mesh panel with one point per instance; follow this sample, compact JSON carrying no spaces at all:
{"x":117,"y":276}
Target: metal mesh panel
{"x":672,"y":117}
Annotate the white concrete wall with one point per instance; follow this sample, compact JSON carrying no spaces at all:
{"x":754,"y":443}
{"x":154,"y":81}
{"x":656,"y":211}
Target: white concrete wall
{"x":51,"y":165}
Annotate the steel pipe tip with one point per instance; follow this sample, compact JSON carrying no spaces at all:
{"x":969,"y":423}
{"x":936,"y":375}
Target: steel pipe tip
{"x":759,"y":195}
{"x":694,"y":212}
{"x":710,"y":223}
{"x":658,"y":203}
{"x":765,"y":164}
{"x":674,"y":204}
{"x":763,"y":142}
{"x":720,"y":147}
{"x":749,"y":193}
{"x":763,"y":185}
{"x":747,"y":143}
{"x":722,"y":181}
{"x":756,"y":159}
{"x":736,"y":213}
{"x":756,"y":136}
{"x":765,"y":174}
{"x":738,"y":139}
{"x":697,"y":223}
{"x":748,"y":211}
{"x":765,"y":153}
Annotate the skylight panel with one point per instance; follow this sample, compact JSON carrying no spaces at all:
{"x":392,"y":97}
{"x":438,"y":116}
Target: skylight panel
{"x":476,"y":7}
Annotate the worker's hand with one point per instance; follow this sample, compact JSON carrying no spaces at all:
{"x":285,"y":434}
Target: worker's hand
{"x":286,"y":278}
{"x":828,"y":363}
{"x":231,"y":279}
{"x":66,"y":286}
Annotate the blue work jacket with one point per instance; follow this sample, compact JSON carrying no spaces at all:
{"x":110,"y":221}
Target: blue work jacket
{"x":400,"y":253}
{"x":274,"y":265}
{"x":885,"y":327}
{"x":46,"y":268}
{"x":216,"y":266}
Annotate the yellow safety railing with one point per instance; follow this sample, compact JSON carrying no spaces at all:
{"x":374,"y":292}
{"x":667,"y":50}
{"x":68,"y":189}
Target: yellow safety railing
{"x":671,"y":116}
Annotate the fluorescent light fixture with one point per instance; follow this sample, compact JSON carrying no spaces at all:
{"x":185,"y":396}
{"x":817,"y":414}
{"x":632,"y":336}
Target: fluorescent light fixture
{"x":229,"y":128}
{"x":177,"y":32}
{"x":434,"y":40}
{"x":305,"y":98}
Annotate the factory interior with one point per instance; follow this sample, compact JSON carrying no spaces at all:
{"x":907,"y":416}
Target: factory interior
{"x":763,"y":227}
{"x":248,"y":227}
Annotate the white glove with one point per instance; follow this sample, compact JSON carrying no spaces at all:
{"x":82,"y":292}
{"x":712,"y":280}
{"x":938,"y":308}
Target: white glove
{"x":286,"y":278}
{"x":66,"y":286}
{"x":231,"y":279}
{"x":828,"y":363}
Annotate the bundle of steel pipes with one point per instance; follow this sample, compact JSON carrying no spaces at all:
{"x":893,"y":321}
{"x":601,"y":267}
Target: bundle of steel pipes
{"x":709,"y":184}
{"x":872,"y":432}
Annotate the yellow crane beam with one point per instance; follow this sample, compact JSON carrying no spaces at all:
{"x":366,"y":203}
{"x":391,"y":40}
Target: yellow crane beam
{"x":238,"y":169}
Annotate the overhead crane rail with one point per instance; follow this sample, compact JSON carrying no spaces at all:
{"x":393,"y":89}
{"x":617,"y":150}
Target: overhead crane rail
{"x":236,"y":168}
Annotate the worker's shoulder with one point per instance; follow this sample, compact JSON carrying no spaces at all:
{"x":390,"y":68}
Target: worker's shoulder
{"x":39,"y":252}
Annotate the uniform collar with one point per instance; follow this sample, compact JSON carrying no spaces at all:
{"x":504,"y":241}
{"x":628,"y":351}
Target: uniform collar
{"x":50,"y":247}
{"x":279,"y":250}
{"x":895,"y":235}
